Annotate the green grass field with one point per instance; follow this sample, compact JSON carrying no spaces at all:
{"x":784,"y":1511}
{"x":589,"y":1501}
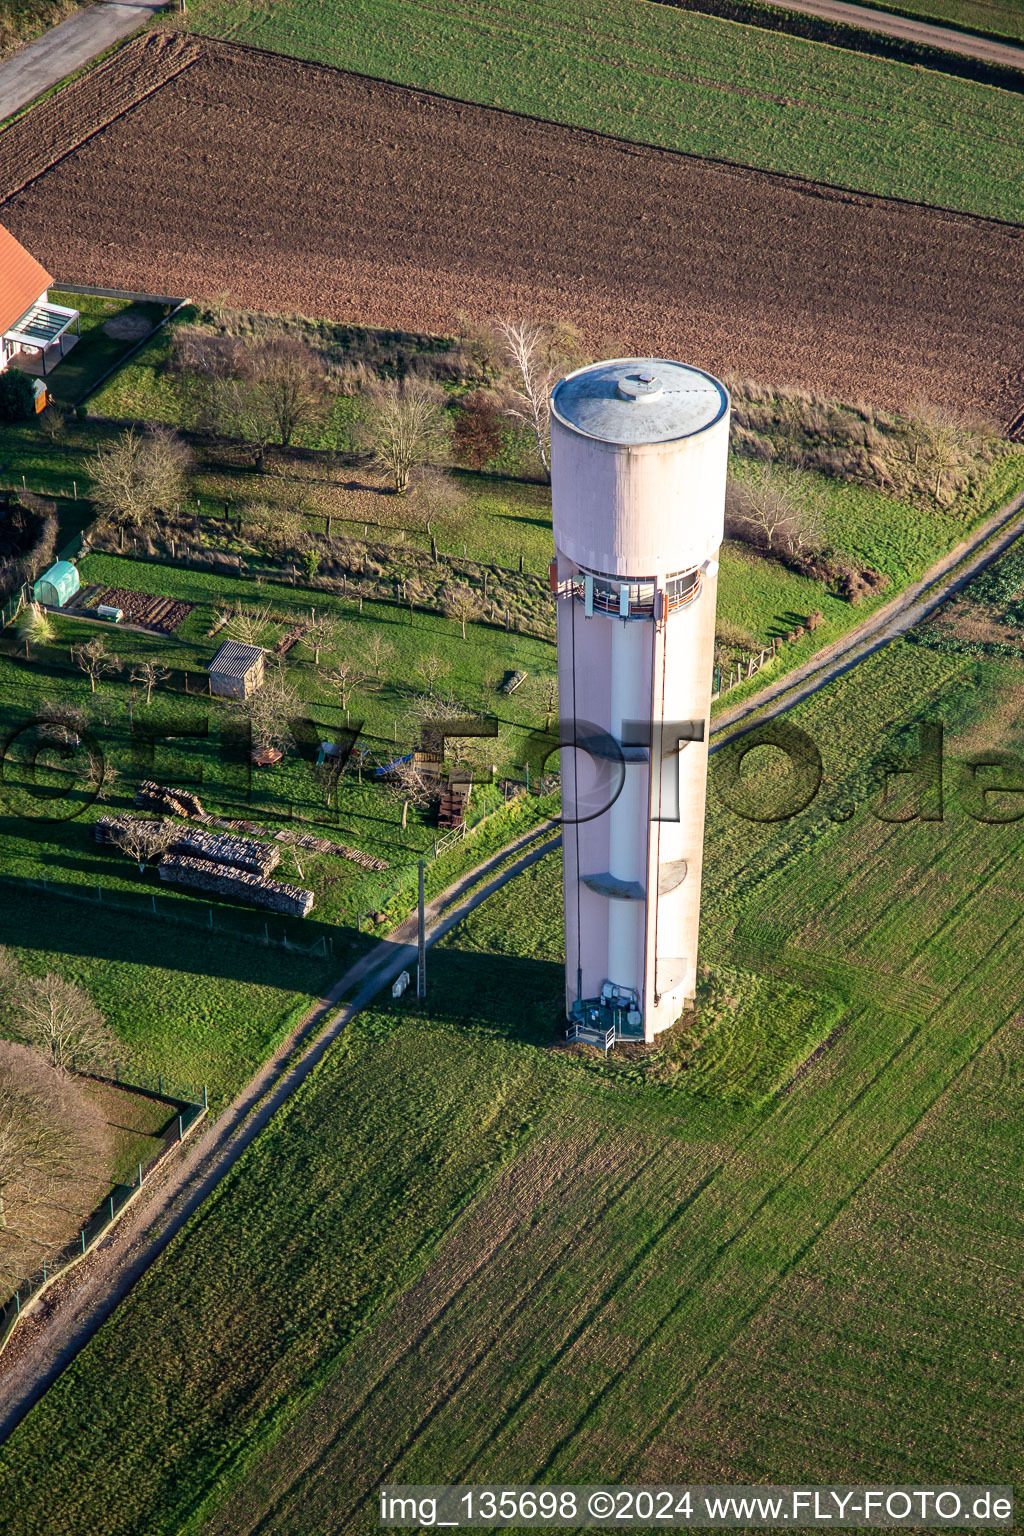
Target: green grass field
{"x":998,"y":18}
{"x":198,"y":1008}
{"x":660,"y":75}
{"x":459,"y":1256}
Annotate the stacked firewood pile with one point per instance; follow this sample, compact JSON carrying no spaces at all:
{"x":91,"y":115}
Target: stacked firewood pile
{"x":168,"y":802}
{"x":211,"y":861}
{"x":220,"y":847}
{"x":323,"y":845}
{"x":149,"y":838}
{"x":224,"y":880}
{"x":305,"y":840}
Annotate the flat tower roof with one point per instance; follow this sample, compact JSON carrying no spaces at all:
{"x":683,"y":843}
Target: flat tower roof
{"x":635,"y":400}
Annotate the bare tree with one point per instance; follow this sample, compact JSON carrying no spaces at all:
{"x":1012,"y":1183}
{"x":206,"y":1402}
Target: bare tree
{"x":101,"y":776}
{"x":431,"y":669}
{"x":24,"y":1149}
{"x":62,"y":721}
{"x":36,"y":1156}
{"x":53,"y":420}
{"x":442,"y":502}
{"x":244,"y":411}
{"x":290,"y":375}
{"x":379,"y":653}
{"x":270,"y":711}
{"x":945,"y":440}
{"x":461,"y":604}
{"x":140,"y":475}
{"x":322,"y":633}
{"x":249,"y":624}
{"x":94,"y":660}
{"x":538,"y":355}
{"x":261,"y":390}
{"x":148,"y":674}
{"x":54,"y":1158}
{"x":407,"y":785}
{"x":61,"y":1021}
{"x":550,"y":696}
{"x":325,"y":778}
{"x":347,"y":675}
{"x":144,"y":840}
{"x":402,"y":424}
{"x":762,"y":510}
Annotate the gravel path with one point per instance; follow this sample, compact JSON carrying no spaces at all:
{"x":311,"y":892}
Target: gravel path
{"x":910,"y":29}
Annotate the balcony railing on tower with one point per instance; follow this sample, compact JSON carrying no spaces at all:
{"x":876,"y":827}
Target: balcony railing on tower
{"x":626,"y":599}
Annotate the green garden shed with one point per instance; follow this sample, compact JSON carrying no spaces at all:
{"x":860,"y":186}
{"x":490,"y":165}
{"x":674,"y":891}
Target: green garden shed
{"x":55,"y":586}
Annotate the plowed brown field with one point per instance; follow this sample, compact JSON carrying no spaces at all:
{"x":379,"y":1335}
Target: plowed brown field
{"x":296,"y":187}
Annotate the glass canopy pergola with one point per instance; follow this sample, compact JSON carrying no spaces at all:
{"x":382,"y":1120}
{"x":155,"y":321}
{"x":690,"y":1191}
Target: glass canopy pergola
{"x":42,"y":327}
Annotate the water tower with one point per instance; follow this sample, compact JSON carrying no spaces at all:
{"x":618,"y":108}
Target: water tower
{"x":638,"y":467}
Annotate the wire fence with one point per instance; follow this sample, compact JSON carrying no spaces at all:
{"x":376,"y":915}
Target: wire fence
{"x":12,"y":607}
{"x":377,"y":892}
{"x":167,"y":910}
{"x":186,"y":1112}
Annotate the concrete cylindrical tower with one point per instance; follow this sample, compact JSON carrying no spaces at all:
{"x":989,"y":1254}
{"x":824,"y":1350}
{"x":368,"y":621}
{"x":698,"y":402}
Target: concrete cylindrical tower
{"x":638,"y":467}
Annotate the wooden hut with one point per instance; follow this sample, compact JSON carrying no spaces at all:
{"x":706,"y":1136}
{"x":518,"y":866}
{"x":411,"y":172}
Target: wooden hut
{"x":237,"y":670}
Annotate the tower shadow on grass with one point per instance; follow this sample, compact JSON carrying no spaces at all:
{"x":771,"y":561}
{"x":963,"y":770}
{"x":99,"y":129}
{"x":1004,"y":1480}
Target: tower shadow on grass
{"x":512,"y":996}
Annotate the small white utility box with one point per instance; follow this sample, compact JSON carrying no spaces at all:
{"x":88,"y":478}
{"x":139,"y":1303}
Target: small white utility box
{"x":400,"y":985}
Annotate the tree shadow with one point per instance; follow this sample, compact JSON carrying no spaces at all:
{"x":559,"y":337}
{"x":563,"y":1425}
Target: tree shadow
{"x":518,"y":519}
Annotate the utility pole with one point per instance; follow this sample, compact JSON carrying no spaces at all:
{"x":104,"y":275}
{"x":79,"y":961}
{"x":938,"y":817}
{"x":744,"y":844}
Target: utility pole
{"x":421,"y":958}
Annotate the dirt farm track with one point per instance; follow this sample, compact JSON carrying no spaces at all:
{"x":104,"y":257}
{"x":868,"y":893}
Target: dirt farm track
{"x":194,"y":167}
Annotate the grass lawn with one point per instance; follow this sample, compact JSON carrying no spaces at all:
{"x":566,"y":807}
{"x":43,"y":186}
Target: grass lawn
{"x":100,"y":348}
{"x":661,"y":75}
{"x":508,"y":518}
{"x":196,"y":1007}
{"x":364,"y":816}
{"x":459,"y":1255}
{"x":135,"y":1121}
{"x":757,"y":595}
{"x":49,"y":467}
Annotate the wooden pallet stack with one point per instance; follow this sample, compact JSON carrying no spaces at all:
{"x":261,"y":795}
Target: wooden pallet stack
{"x":452,"y":810}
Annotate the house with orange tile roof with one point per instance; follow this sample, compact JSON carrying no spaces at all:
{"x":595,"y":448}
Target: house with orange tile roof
{"x":32,"y":329}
